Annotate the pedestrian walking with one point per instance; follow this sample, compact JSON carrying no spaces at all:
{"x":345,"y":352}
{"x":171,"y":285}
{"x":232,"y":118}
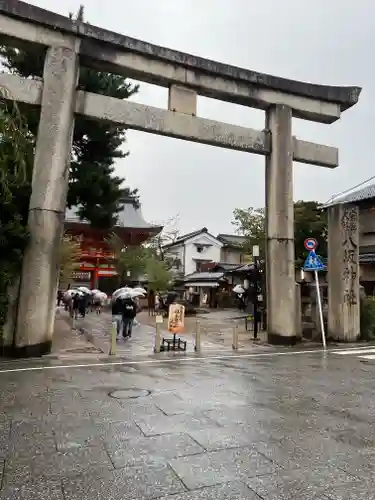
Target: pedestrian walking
{"x":76,"y":303}
{"x":138,"y":309}
{"x":83,"y":304}
{"x":60,"y":295}
{"x":117,"y":310}
{"x":128,"y":314}
{"x":151,"y":303}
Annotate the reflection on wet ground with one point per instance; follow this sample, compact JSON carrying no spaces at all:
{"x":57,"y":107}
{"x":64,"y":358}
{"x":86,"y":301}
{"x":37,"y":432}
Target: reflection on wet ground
{"x":277,"y":427}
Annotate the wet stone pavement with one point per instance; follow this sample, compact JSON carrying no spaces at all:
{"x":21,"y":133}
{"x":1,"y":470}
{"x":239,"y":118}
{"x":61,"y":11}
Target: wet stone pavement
{"x":216,"y":333}
{"x":296,"y":426}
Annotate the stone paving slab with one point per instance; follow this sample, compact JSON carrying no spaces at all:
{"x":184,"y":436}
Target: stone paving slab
{"x":358,"y":490}
{"x":215,"y":467}
{"x":228,"y":491}
{"x":174,"y":424}
{"x":40,"y":490}
{"x":141,"y":482}
{"x":153,"y":449}
{"x":24,"y":468}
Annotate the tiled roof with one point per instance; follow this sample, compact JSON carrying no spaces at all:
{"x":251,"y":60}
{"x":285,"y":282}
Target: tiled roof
{"x":204,"y":276}
{"x":366,"y":193}
{"x":231,"y":239}
{"x":226,"y":266}
{"x":130,"y":217}
{"x":187,"y":236}
{"x":245,"y":268}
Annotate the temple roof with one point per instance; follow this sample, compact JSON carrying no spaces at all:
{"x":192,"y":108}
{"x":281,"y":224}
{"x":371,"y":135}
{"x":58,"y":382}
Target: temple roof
{"x":130,"y":217}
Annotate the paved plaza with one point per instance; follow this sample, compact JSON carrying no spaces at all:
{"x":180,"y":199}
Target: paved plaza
{"x":286,"y":424}
{"x":216,"y":332}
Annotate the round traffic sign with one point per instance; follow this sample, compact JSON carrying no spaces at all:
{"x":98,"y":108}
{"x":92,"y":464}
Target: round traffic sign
{"x":310,"y":244}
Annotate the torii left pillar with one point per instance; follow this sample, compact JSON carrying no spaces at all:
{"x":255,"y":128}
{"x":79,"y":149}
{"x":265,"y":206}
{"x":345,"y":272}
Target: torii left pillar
{"x":280,"y":272}
{"x":36,"y":312}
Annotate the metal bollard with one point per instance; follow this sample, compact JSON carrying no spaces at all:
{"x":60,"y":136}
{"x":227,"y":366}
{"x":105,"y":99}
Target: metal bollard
{"x":73,"y":323}
{"x":235,"y":337}
{"x":158,"y":322}
{"x":197,"y":346}
{"x":113,"y":346}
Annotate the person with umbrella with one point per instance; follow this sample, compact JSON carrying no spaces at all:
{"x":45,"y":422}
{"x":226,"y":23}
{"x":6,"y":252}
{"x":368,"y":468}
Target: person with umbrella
{"x":129,"y":313}
{"x":117,"y":310}
{"x":76,"y":304}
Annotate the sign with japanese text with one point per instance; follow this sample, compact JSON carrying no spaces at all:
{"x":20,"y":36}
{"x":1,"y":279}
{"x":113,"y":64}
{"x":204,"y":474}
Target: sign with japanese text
{"x":176,"y":318}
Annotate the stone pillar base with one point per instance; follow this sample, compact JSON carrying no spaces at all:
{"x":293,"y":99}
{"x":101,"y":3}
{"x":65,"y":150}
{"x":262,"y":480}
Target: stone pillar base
{"x":275,"y":339}
{"x":28,"y":351}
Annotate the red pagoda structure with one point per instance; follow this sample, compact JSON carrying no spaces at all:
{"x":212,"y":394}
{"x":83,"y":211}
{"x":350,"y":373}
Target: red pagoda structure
{"x":96,"y":268}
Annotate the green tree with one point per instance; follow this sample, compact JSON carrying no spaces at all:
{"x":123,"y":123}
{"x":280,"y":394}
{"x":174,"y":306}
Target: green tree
{"x":130,"y":261}
{"x":68,"y":258}
{"x":16,"y":148}
{"x":93,"y":187}
{"x":156,"y":244}
{"x":159,"y":277}
{"x":250,"y":222}
{"x":309,"y":221}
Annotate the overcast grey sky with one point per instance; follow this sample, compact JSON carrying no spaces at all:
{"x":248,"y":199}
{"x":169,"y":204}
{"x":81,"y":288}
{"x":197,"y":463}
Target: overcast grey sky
{"x":324,"y":41}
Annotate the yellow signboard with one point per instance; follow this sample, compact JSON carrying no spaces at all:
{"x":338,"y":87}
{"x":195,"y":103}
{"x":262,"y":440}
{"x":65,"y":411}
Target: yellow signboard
{"x":176,"y":318}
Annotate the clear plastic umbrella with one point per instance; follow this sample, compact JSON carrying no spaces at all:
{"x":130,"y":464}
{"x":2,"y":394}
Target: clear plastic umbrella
{"x":71,"y":292}
{"x":84,"y":289}
{"x":121,"y":295}
{"x":140,"y":290}
{"x":134,"y":293}
{"x":120,"y":291}
{"x":100,"y":296}
{"x":238,"y":289}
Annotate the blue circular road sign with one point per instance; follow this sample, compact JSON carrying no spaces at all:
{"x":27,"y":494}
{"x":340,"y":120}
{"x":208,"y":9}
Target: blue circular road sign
{"x":310,"y":244}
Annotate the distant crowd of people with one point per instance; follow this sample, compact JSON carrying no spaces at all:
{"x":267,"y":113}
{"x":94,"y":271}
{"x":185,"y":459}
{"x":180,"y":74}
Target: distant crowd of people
{"x":79,"y":304}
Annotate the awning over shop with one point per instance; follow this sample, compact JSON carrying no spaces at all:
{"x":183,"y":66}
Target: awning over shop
{"x":202,"y":284}
{"x":204,"y":280}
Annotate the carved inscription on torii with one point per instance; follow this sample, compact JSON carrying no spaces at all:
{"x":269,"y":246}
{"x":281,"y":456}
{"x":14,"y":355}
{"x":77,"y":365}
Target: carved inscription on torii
{"x":349,"y":223}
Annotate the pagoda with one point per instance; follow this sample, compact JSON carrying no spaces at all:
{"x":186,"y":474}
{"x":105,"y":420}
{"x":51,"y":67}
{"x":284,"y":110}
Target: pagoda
{"x":96,"y":268}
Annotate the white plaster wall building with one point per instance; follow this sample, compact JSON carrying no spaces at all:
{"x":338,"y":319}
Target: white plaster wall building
{"x":194,"y":252}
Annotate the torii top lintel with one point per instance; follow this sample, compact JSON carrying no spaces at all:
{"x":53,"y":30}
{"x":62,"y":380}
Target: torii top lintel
{"x":98,"y":43}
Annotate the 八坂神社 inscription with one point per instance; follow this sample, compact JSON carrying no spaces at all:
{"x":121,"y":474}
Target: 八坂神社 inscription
{"x":349,"y":224}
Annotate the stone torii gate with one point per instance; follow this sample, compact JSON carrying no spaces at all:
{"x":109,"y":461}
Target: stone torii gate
{"x":71,"y":44}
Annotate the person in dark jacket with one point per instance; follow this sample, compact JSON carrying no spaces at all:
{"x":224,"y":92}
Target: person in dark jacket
{"x":83,"y":304}
{"x":117,"y":310}
{"x":76,"y":302}
{"x":128,"y":314}
{"x":59,"y":297}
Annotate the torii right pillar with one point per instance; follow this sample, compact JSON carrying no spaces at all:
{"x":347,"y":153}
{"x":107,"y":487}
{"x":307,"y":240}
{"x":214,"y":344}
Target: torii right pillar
{"x":343,"y":273}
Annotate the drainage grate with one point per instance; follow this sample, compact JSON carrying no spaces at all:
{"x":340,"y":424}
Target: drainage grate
{"x":129,"y":393}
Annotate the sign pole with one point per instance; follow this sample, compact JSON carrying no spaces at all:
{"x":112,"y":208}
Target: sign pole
{"x":320,"y":309}
{"x":313,"y":263}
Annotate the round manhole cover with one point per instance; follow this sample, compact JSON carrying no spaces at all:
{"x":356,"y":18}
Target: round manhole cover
{"x":129,"y":393}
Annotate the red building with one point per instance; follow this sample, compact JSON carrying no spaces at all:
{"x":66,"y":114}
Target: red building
{"x":96,"y":268}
